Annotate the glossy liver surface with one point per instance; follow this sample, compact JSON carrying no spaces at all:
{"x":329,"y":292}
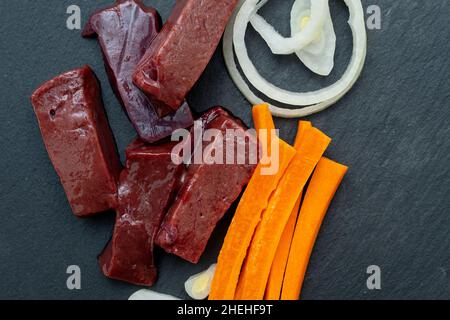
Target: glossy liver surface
{"x":208,"y":190}
{"x":125,"y":31}
{"x":181,"y":51}
{"x":146,"y":187}
{"x":78,"y":139}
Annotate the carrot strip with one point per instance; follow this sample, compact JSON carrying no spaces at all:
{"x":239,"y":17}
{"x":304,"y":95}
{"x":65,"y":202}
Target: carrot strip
{"x":264,"y":125}
{"x":302,"y":127}
{"x":241,"y":230}
{"x":324,"y":183}
{"x":262,"y":117}
{"x":275,"y":282}
{"x":256,"y":269}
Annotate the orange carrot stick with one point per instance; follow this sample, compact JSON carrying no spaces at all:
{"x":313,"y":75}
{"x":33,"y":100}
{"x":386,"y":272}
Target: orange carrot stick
{"x":265,"y":127}
{"x":302,"y":127}
{"x":262,"y":118}
{"x":324,"y":183}
{"x":242,"y":228}
{"x":256,"y":269}
{"x":275,"y":282}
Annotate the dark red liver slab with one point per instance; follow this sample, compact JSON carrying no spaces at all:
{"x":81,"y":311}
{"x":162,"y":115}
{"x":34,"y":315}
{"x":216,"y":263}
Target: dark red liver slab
{"x":78,"y":139}
{"x":125,"y":31}
{"x":182,"y":50}
{"x":146,"y":187}
{"x":206,"y":194}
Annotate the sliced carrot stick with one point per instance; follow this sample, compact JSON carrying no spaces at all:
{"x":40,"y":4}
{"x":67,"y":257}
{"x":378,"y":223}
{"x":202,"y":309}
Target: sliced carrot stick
{"x":262,"y":118}
{"x":324,"y":183}
{"x":275,"y":282}
{"x":256,"y":269}
{"x":302,"y":127}
{"x":264,"y":125}
{"x":242,"y":228}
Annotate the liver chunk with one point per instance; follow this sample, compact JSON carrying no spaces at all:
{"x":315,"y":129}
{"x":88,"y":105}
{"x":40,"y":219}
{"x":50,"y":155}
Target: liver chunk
{"x":207,"y":193}
{"x":146,"y":188}
{"x":125,"y":31}
{"x":182,"y":50}
{"x":78,"y":139}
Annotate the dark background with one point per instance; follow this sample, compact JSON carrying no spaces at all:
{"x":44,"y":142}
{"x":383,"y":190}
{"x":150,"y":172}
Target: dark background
{"x":392,"y":130}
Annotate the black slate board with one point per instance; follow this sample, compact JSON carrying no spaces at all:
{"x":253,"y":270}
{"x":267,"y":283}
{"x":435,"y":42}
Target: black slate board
{"x":392,"y":130}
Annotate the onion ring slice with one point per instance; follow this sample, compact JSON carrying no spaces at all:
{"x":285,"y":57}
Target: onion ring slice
{"x":322,"y":98}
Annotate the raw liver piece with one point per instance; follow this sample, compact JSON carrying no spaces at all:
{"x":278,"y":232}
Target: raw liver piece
{"x":206,"y":194}
{"x":182,"y":50}
{"x":79,"y":140}
{"x":125,"y":31}
{"x":145,"y":191}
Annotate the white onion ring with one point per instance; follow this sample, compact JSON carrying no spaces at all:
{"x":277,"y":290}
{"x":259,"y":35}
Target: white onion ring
{"x":323,"y":99}
{"x":285,"y":96}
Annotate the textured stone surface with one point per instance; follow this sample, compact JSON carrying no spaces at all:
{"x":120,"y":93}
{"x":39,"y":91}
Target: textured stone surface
{"x":392,"y":130}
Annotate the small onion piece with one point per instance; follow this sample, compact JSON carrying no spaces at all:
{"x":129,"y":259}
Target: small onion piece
{"x":147,"y":295}
{"x":318,"y":56}
{"x":277,"y":43}
{"x":198,"y":286}
{"x":297,"y":14}
{"x":313,"y":102}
